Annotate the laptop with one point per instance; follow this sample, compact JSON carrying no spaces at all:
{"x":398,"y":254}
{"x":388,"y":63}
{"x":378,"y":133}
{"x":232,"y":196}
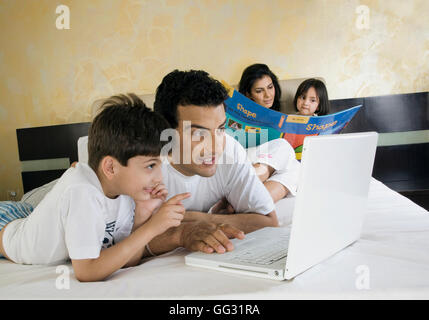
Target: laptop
{"x":329,"y":210}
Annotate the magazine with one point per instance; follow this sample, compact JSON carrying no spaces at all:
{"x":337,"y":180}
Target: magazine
{"x":252,"y":124}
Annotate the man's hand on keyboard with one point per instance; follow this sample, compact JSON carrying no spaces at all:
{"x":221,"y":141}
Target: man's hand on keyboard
{"x":209,"y":237}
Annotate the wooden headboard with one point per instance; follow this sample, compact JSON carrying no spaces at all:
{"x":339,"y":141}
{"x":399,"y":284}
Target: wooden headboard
{"x":402,"y":121}
{"x":46,"y":152}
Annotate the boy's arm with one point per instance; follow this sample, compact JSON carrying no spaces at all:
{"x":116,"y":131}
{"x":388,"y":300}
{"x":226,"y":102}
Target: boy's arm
{"x":142,"y":212}
{"x":140,"y":218}
{"x":113,"y":258}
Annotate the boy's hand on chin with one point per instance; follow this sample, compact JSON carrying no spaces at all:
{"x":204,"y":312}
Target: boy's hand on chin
{"x":145,"y":208}
{"x":159,"y":192}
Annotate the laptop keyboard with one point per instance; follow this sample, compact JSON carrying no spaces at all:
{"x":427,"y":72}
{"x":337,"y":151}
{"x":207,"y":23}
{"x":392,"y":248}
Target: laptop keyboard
{"x":263,"y":254}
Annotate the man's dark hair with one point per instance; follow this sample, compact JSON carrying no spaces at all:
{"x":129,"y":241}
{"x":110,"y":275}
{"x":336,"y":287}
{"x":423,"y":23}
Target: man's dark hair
{"x":124,"y":128}
{"x":184,"y":88}
{"x":324,"y":105}
{"x":255,"y":72}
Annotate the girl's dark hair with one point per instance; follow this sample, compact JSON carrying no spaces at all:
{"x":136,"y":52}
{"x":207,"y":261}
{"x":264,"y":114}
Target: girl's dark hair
{"x":184,"y":88}
{"x":124,"y":128}
{"x":324,"y":105}
{"x":255,"y":72}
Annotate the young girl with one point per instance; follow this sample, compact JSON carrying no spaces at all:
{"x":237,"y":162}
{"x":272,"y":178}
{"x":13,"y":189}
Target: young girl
{"x":311,"y":98}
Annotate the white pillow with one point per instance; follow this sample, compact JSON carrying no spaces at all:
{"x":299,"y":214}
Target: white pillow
{"x":82,"y":149}
{"x":34,"y":196}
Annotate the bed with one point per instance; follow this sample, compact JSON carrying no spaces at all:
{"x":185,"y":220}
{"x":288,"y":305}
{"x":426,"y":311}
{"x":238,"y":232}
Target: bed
{"x":390,"y":261}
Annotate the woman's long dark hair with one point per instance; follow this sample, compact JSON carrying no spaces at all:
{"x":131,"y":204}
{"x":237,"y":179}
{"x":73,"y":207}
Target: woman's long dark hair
{"x":255,"y":72}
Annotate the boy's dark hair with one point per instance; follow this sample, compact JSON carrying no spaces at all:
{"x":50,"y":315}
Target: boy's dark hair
{"x":324,"y":105}
{"x":255,"y":72}
{"x":194,"y":87}
{"x":124,"y":128}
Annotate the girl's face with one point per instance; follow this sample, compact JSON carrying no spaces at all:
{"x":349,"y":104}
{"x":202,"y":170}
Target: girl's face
{"x":263,"y":92}
{"x":308,"y":102}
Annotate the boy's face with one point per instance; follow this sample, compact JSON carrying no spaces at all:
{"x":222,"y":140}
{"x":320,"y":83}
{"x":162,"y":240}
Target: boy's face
{"x":202,"y":139}
{"x":141,"y":175}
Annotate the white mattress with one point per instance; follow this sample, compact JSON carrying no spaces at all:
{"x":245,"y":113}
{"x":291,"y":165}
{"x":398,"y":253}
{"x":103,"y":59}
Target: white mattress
{"x":394,"y":249}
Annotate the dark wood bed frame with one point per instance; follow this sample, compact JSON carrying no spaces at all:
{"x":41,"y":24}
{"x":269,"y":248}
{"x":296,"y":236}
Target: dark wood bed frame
{"x":50,"y":142}
{"x":403,"y":168}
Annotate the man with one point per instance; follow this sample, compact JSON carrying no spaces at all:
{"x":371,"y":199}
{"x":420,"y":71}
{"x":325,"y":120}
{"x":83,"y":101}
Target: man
{"x":210,"y":165}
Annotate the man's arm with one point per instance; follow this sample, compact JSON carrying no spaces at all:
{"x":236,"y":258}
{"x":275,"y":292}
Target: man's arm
{"x":247,"y":222}
{"x":165,"y":242}
{"x":195,"y":236}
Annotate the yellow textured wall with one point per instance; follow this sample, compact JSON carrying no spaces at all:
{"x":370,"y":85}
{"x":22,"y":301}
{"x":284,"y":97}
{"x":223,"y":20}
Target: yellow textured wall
{"x":51,"y":76}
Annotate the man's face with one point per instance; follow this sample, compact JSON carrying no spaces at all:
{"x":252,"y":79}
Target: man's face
{"x":202,"y":139}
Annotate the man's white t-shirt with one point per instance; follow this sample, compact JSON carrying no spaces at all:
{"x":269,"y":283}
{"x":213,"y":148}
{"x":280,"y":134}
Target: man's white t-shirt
{"x":235,"y":179}
{"x":75,"y":220}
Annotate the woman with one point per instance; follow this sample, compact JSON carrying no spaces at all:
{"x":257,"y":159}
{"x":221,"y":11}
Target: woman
{"x":274,"y":161}
{"x":260,"y":84}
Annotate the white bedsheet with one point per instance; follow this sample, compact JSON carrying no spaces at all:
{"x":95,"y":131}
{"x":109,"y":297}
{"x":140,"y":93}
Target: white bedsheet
{"x":393,"y":251}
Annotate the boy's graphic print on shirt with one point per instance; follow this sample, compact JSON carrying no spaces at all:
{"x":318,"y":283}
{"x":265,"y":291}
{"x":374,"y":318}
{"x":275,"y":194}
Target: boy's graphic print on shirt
{"x":108,"y":235}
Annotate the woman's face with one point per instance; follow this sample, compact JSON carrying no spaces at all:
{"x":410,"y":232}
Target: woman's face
{"x":308,"y":102}
{"x":263,"y":92}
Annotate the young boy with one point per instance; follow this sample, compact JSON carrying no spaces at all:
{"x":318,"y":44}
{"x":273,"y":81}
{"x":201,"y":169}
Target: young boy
{"x":100,"y":215}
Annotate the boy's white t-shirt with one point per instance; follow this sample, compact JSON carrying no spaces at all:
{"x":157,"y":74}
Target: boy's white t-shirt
{"x":75,"y":220}
{"x":235,"y":179}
